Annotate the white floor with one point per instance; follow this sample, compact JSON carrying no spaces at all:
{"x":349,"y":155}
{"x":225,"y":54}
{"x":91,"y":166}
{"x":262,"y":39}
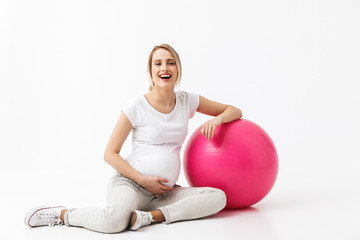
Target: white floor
{"x":293,"y":210}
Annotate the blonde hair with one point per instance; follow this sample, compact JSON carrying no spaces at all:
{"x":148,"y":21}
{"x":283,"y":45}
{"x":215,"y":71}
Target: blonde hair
{"x":173,"y":54}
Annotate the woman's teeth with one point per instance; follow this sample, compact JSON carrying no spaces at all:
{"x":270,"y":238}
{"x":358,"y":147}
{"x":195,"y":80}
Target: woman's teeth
{"x":165,"y":76}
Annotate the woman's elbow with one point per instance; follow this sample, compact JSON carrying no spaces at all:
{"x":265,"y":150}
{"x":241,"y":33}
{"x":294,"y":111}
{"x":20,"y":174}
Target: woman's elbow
{"x":107,"y":156}
{"x":237,"y":112}
{"x":240,"y":113}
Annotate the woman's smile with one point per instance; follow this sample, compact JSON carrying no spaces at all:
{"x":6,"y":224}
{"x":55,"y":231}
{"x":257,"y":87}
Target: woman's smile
{"x":165,"y":76}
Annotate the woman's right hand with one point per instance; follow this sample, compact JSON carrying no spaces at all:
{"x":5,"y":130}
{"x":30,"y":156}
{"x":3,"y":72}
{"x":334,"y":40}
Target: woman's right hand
{"x":153,"y":185}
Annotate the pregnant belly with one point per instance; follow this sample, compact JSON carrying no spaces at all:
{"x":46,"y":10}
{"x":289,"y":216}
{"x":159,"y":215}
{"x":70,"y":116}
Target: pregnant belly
{"x":160,"y":162}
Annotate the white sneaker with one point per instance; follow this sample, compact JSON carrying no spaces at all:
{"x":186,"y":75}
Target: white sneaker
{"x":44,"y":216}
{"x":140,"y":219}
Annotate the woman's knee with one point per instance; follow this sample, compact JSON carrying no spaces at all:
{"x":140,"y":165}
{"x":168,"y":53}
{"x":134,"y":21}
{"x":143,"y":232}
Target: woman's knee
{"x":219,"y":198}
{"x":115,"y":223}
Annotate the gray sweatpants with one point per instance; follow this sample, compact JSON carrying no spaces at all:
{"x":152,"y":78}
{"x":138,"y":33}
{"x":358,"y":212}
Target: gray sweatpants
{"x":124,"y":196}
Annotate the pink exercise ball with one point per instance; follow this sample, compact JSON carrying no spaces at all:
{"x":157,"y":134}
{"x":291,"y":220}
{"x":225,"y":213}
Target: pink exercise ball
{"x":240,"y":159}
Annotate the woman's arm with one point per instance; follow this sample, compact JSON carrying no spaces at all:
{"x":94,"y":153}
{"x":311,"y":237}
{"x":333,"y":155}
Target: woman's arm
{"x":113,"y":148}
{"x":223,"y":113}
{"x":112,"y":157}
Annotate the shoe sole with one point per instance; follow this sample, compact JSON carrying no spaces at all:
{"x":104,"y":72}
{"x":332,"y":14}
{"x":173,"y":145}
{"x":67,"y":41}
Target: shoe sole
{"x":32,"y":213}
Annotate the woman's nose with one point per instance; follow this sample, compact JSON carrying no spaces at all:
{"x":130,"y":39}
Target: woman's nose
{"x":164,"y":67}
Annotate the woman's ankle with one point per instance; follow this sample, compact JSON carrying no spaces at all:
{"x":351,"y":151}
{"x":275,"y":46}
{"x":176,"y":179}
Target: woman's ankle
{"x":158,"y":216}
{"x":62,"y":214}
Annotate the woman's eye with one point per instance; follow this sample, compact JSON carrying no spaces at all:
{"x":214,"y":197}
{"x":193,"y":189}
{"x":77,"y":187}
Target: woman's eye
{"x":157,"y":64}
{"x":171,"y":63}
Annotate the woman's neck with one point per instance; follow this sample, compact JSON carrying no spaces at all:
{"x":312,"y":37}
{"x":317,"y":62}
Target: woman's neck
{"x":165,"y":98}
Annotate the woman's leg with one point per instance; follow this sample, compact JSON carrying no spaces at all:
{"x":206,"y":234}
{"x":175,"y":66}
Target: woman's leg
{"x":124,"y":196}
{"x":189,"y":203}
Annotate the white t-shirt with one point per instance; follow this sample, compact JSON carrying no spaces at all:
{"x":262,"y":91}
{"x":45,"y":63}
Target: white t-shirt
{"x":158,"y":137}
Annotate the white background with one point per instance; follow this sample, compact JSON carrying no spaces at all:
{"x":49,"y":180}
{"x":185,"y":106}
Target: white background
{"x":68,"y":67}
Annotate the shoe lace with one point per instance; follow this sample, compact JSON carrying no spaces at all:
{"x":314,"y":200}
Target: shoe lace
{"x":50,"y":218}
{"x":147,"y":218}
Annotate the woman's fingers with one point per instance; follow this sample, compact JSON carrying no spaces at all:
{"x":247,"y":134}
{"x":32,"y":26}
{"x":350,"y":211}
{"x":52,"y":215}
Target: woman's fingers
{"x":163,"y":180}
{"x":162,"y":189}
{"x":162,"y":192}
{"x":165,"y":188}
{"x":205,"y":130}
{"x":213,"y":131}
{"x":208,"y":130}
{"x":156,"y":186}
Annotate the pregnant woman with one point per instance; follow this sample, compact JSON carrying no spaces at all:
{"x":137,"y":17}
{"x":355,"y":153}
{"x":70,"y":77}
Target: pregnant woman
{"x":143,"y":189}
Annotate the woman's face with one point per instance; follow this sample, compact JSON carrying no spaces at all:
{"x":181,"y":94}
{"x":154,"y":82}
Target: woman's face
{"x":164,"y":70}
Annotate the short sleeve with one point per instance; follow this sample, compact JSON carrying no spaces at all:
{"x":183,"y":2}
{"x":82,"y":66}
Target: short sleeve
{"x":194,"y":103}
{"x":132,"y":112}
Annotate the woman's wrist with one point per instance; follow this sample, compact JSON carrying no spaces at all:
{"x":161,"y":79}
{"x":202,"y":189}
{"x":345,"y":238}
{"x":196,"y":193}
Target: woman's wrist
{"x":140,"y":180}
{"x":219,"y":118}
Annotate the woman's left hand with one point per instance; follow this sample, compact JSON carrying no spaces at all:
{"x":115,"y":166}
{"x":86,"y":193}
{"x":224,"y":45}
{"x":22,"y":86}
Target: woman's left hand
{"x":208,"y":129}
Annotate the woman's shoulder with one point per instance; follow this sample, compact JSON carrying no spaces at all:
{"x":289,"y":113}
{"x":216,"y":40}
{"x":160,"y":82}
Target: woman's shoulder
{"x":186,"y":94}
{"x":188,"y":99}
{"x":135,"y":101}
